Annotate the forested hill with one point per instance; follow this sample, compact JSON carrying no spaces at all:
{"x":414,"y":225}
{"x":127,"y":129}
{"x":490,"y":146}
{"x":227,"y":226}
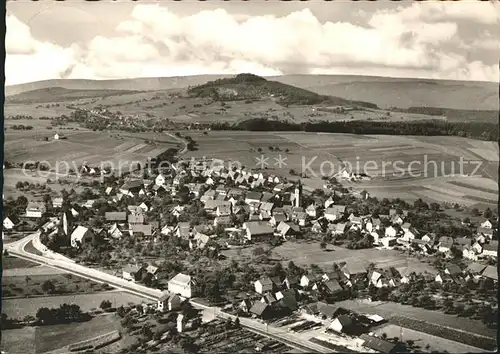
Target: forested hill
{"x":482,"y":131}
{"x":253,"y":87}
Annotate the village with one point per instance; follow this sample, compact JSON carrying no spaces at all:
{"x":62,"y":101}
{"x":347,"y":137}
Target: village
{"x":172,"y":230}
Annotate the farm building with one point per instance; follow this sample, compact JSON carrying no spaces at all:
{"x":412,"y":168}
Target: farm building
{"x":182,"y":285}
{"x":168,"y":302}
{"x":81,"y":235}
{"x":258,"y":231}
{"x":380,"y":345}
{"x":133,"y":272}
{"x":35,"y":210}
{"x":263,"y":285}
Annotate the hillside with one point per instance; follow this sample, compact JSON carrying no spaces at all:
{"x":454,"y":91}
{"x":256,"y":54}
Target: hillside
{"x":58,"y":94}
{"x":401,"y":92}
{"x":382,"y":91}
{"x":135,"y":84}
{"x":252,"y":87}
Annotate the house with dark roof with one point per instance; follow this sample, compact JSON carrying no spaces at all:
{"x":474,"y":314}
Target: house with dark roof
{"x":490,"y":249}
{"x":343,"y":324}
{"x":263,"y":285}
{"x":253,"y":197}
{"x":168,"y":302}
{"x":258,"y":230}
{"x":380,"y":345}
{"x":491,"y":273}
{"x":326,"y":310}
{"x":133,"y":272}
{"x":261,"y":310}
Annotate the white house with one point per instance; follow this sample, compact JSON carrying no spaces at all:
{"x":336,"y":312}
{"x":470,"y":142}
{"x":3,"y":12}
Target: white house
{"x":263,"y":285}
{"x":390,"y":231}
{"x":81,"y":235}
{"x":169,"y":302}
{"x":329,"y":202}
{"x":487,"y":224}
{"x":8,"y":224}
{"x":182,"y":285}
{"x":35,"y":210}
{"x":160,"y":180}
{"x":311,"y":210}
{"x":335,"y":212}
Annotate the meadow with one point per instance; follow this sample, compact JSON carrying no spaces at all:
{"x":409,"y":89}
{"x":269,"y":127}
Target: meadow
{"x":83,"y":147}
{"x":423,"y":339}
{"x":18,"y":308}
{"x":30,"y":340}
{"x":388,"y":309}
{"x":406,"y":167}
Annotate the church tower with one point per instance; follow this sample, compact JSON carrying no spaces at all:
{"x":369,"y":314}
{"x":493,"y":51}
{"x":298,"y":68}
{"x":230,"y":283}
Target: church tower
{"x":297,"y":195}
{"x":67,"y":223}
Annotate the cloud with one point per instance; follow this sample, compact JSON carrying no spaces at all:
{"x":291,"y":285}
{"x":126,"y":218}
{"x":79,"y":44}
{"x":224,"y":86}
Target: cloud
{"x":153,"y":41}
{"x":28,"y":59}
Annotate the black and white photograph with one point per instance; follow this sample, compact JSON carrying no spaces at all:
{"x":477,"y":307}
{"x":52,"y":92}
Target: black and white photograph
{"x":250,"y":177}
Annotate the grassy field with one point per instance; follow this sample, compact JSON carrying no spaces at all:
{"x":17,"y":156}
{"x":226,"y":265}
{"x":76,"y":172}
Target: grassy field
{"x":18,"y":308}
{"x":20,"y":340}
{"x":9,"y":262}
{"x":423,"y":339}
{"x":32,"y":286}
{"x":84,"y":147}
{"x":388,"y":309}
{"x":406,"y":167}
{"x":305,"y":254}
{"x":58,"y":336}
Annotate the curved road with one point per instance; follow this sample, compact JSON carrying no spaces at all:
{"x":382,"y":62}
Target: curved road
{"x":58,"y":261}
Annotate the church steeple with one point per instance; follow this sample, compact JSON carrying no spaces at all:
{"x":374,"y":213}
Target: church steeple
{"x":298,"y":195}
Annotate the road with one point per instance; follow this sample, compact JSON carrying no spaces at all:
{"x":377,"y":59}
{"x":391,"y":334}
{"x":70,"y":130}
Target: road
{"x":60,"y":262}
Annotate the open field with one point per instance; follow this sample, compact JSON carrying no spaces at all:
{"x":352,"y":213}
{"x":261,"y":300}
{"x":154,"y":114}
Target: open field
{"x":401,"y":166}
{"x":31,"y":285}
{"x":58,"y":336}
{"x":12,"y":263}
{"x":84,"y":147}
{"x":388,"y":309}
{"x":305,"y":254}
{"x":423,"y":339}
{"x":18,"y":308}
{"x":19,"y":340}
{"x":31,"y":271}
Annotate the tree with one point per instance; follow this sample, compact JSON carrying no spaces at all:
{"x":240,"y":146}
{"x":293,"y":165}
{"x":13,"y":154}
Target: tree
{"x":187,"y":343}
{"x":48,"y":287}
{"x":322,"y":245}
{"x":488,"y":213}
{"x":105,"y":304}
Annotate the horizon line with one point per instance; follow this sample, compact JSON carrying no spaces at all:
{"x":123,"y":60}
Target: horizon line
{"x":264,"y":76}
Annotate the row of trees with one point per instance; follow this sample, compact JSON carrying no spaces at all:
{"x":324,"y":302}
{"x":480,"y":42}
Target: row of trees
{"x":478,"y":130}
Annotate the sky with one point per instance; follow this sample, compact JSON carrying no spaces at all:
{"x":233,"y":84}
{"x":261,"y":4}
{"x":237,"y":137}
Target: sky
{"x":124,"y":39}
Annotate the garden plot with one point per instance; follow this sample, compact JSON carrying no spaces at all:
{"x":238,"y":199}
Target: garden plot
{"x":134,"y":148}
{"x":443,"y":190}
{"x":392,"y":148}
{"x":422,"y":339}
{"x":440,"y":197}
{"x":125,"y":146}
